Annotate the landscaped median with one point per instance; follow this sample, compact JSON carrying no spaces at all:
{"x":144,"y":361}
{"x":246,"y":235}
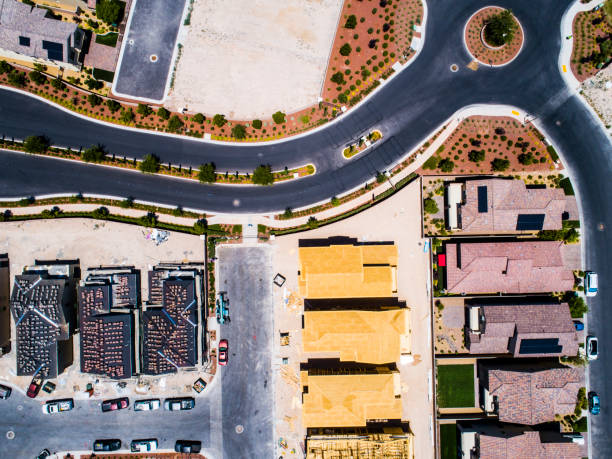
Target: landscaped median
{"x":362,"y":144}
{"x":205,"y":173}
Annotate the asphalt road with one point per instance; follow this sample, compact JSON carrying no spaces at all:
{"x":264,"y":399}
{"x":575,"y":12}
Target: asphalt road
{"x":406,"y":110}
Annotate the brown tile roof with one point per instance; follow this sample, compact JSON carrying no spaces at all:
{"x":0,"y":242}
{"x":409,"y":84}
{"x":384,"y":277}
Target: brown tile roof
{"x":534,"y":396}
{"x":507,"y":267}
{"x":507,"y":326}
{"x":506,"y":199}
{"x":526,"y":445}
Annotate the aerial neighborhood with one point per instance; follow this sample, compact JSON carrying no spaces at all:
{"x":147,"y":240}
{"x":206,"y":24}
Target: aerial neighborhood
{"x":333,"y":229}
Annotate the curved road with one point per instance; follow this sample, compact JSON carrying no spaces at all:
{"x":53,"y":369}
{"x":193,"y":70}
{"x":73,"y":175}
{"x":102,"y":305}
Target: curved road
{"x":406,"y":110}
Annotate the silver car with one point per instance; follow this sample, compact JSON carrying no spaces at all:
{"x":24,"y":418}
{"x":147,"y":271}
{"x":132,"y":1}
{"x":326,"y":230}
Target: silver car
{"x":147,"y":405}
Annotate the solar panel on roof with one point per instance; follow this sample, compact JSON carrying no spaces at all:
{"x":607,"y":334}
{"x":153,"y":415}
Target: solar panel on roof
{"x":540,"y":346}
{"x":483,"y":205}
{"x":55,"y":51}
{"x":530,"y":222}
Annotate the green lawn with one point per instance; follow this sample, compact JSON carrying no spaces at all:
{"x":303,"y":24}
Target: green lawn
{"x":110,"y":39}
{"x":455,"y":386}
{"x":103,"y":75}
{"x":448,"y":441}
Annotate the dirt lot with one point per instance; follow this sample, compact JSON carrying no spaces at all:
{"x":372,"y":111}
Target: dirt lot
{"x":248,"y":59}
{"x":391,"y":220}
{"x":598,"y":92}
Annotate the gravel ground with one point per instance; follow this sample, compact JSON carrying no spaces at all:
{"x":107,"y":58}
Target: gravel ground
{"x":598,"y":92}
{"x":250,"y":58}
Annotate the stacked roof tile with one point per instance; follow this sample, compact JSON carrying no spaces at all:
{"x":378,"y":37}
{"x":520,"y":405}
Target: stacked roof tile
{"x":507,"y":267}
{"x":493,"y":205}
{"x":535,"y":330}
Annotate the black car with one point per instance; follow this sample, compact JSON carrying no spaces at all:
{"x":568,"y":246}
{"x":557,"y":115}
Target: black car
{"x":188,"y":446}
{"x":107,"y":445}
{"x":45,"y":453}
{"x":5,"y":391}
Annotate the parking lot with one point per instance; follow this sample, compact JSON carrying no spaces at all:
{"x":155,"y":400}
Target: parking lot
{"x":146,"y":55}
{"x":245,"y":273}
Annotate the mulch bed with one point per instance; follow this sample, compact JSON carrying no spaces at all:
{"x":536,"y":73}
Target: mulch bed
{"x":479,"y":133}
{"x":382,"y":33}
{"x":589,"y":28}
{"x":476,"y":46}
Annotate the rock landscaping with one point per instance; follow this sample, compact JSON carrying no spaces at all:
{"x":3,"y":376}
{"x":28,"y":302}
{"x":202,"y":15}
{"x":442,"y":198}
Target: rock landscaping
{"x":592,"y":34}
{"x":493,"y":37}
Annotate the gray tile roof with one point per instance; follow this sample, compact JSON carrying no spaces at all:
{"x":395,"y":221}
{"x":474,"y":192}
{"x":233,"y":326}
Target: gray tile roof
{"x":20,"y":20}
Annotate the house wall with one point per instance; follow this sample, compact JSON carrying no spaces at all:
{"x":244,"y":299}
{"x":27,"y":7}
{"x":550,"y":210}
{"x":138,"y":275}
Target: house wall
{"x":22,"y":59}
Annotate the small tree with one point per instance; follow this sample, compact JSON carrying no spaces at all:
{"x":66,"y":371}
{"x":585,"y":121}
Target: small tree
{"x":93,"y":84}
{"x":239,"y":131}
{"x":345,"y":49}
{"x":278,"y":117}
{"x":351,"y":22}
{"x":163,"y":113}
{"x":5,"y":67}
{"x":206,"y":173}
{"x":380,"y":177}
{"x":219,"y":120}
{"x":446,"y":165}
{"x":430,"y":206}
{"x":313,"y":223}
{"x":500,"y":164}
{"x":144,"y":110}
{"x":127,"y":116}
{"x":338,"y":78}
{"x":113,"y":105}
{"x":288,"y":213}
{"x":94,"y":154}
{"x":37,"y":77}
{"x":94,"y":100}
{"x":342,"y":98}
{"x":431,"y":163}
{"x":58,"y":84}
{"x":17,"y":78}
{"x":526,"y":158}
{"x":150,"y":164}
{"x":500,"y":28}
{"x":101,"y":213}
{"x":109,"y":11}
{"x":335,"y":201}
{"x":200,"y":226}
{"x":263,"y":175}
{"x":175,"y":124}
{"x":149,"y":220}
{"x":199,"y":118}
{"x":476,"y":156}
{"x":257,"y":124}
{"x":36,"y":144}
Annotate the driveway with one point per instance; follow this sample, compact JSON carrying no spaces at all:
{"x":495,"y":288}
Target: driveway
{"x":245,"y":273}
{"x":147,"y":49}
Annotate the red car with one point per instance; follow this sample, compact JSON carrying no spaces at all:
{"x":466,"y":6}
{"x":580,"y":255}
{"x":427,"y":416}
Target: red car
{"x":223,"y":352}
{"x":34,"y":388}
{"x":115,"y":404}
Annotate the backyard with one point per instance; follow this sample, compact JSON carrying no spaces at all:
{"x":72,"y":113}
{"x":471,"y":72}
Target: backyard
{"x":448,"y":441}
{"x":455,"y":386}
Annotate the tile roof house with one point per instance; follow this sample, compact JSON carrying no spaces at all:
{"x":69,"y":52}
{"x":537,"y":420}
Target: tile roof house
{"x":344,"y":268}
{"x":169,"y":331}
{"x":534,"y":330}
{"x":529,"y":395}
{"x":42,"y":310}
{"x":106,"y":335}
{"x":506,"y":267}
{"x":5,"y":314}
{"x":486,"y":441}
{"x":498,"y":205}
{"x":27,"y":32}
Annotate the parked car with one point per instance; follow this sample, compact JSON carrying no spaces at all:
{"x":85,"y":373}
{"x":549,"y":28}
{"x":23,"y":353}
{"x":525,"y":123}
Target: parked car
{"x":146,"y":405}
{"x":34,"y":388}
{"x":179,"y":404}
{"x":58,"y":406}
{"x":142,"y":446}
{"x":590,"y":283}
{"x":44,"y":454}
{"x":594,"y":403}
{"x":223,"y":352}
{"x":107,"y":445}
{"x":592,"y":347}
{"x":579,"y":326}
{"x":115,"y":404}
{"x":5,"y":392}
{"x":188,"y":446}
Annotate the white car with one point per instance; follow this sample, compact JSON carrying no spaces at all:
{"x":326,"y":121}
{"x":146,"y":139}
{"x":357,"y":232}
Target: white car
{"x":147,"y":405}
{"x":590,"y":284}
{"x":58,"y":406}
{"x":592,"y":347}
{"x":143,"y":446}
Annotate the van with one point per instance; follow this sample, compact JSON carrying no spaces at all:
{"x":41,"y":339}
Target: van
{"x":590,"y":284}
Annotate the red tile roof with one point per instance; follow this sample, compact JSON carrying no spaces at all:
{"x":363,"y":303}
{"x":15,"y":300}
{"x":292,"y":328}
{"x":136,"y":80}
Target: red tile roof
{"x":506,"y":199}
{"x":526,"y":445}
{"x":534,"y":396}
{"x":507,"y":267}
{"x":507,"y":325}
